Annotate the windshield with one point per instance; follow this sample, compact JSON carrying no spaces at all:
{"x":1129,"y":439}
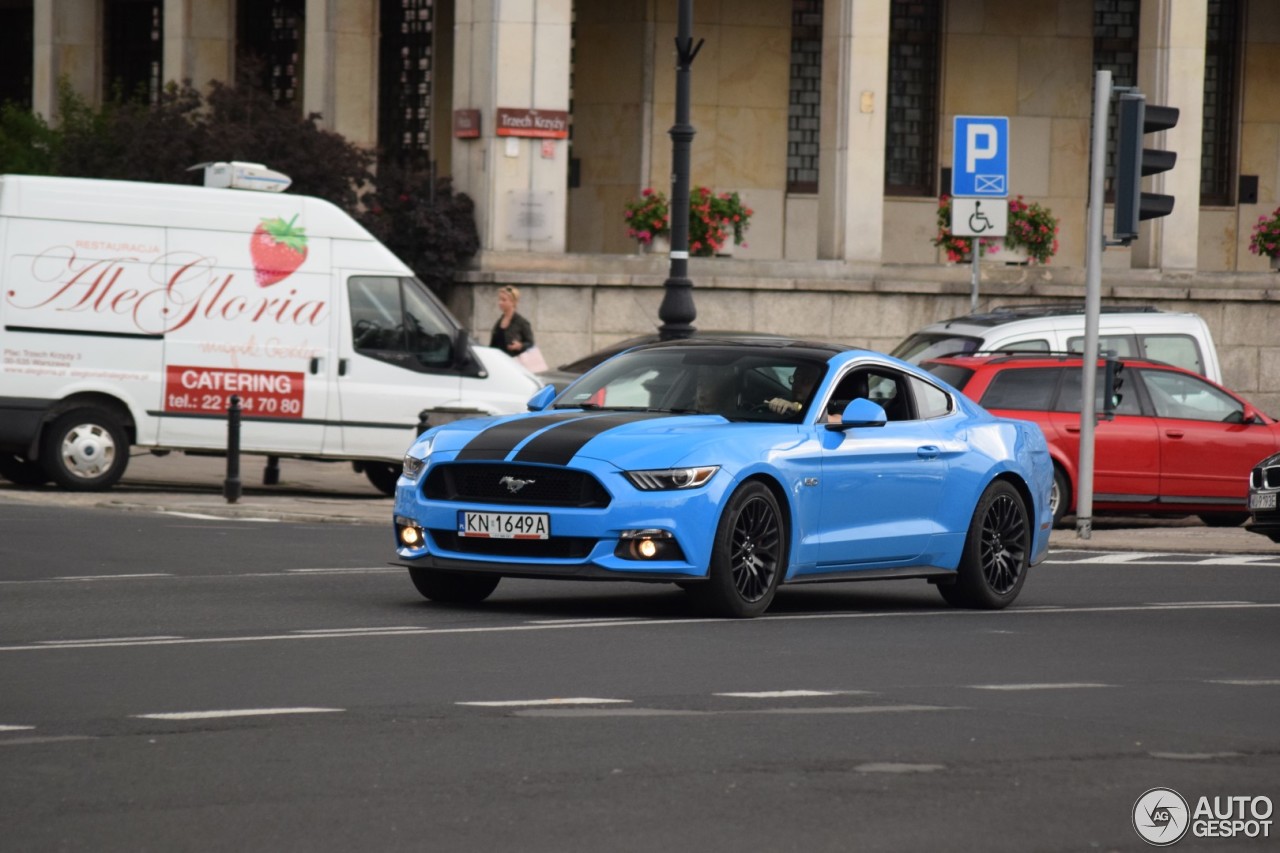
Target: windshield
{"x":739,"y":383}
{"x":924,"y":345}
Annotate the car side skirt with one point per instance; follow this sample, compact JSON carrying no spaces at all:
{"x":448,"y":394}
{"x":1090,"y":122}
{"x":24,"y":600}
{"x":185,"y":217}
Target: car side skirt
{"x":897,"y":573}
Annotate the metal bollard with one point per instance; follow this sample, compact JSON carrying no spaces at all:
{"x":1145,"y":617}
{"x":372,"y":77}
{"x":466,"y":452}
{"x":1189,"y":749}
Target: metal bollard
{"x":231,"y":486}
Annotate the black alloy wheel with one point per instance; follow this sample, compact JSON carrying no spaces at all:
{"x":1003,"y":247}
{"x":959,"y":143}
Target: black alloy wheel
{"x":996,"y":555}
{"x":749,"y":555}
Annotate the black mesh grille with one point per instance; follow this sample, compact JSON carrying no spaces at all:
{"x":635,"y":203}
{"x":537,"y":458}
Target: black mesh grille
{"x":562,"y":547}
{"x":493,"y":483}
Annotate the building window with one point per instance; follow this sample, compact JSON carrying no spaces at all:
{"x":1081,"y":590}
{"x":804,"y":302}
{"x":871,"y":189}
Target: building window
{"x":911,"y":132}
{"x":269,"y":46}
{"x":1218,"y":135}
{"x":804,"y":113}
{"x":16,"y":54}
{"x":134,"y":50}
{"x":1115,"y":49}
{"x":405,"y":82}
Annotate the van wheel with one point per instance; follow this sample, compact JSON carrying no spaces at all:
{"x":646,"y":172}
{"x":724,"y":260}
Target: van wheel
{"x":383,"y":476}
{"x":85,"y":450}
{"x":22,"y":471}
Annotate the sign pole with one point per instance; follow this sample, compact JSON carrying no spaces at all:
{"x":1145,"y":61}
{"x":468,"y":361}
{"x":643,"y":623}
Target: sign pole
{"x":975,"y":249}
{"x":1092,"y":304}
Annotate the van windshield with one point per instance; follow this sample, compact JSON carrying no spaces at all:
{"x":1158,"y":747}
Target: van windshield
{"x":925,"y":345}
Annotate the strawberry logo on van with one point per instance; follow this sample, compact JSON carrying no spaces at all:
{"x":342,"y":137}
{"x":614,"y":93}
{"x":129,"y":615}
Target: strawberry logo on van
{"x":277,"y":248}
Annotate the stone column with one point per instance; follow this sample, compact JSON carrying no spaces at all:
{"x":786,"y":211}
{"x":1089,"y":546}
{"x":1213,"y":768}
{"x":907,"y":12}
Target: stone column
{"x":340,"y":67}
{"x":67,"y":42}
{"x":199,"y":39}
{"x":1171,"y":73}
{"x":514,"y":55}
{"x":855,"y":97}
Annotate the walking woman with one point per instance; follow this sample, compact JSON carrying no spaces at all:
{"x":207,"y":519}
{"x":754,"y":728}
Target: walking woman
{"x":513,"y":333}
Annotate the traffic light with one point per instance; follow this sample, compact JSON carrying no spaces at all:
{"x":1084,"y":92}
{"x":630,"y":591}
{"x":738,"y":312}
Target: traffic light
{"x":1134,"y":162}
{"x":1113,"y":379}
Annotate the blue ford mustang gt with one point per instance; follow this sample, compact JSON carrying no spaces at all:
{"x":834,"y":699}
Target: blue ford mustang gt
{"x":729,"y":467}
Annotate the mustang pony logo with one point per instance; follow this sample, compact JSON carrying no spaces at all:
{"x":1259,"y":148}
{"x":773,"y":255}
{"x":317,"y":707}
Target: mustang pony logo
{"x":514,"y":484}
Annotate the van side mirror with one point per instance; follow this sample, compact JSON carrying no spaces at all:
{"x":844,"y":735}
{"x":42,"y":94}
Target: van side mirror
{"x":461,"y":349}
{"x":542,"y":399}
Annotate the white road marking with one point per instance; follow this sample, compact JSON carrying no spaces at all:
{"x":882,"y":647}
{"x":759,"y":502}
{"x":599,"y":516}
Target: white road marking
{"x":238,"y":712}
{"x":203,"y":517}
{"x":1247,"y":682}
{"x":851,"y":709}
{"x":1011,"y":613}
{"x":113,"y":577}
{"x":583,"y":621}
{"x":1237,"y":560}
{"x":109,"y":640}
{"x":1063,"y":686}
{"x":338,"y":571}
{"x":783,"y":694}
{"x":898,"y":767}
{"x":531,"y":703}
{"x":325,"y":631}
{"x":1191,"y":603}
{"x":16,"y":728}
{"x":1110,"y":559}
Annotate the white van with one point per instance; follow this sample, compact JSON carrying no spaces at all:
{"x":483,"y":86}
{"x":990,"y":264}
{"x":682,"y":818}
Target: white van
{"x":1181,"y":339}
{"x":131,"y":313}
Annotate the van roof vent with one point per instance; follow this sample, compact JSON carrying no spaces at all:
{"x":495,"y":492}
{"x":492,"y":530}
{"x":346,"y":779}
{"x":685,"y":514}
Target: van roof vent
{"x":239,"y":175}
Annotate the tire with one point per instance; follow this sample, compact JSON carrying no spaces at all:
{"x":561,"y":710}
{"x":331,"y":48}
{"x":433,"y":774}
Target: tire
{"x":85,"y":450}
{"x":1224,"y":519}
{"x":994,"y":563}
{"x":1060,"y":497}
{"x":21,"y":471}
{"x":749,"y":556}
{"x":383,"y":476}
{"x":453,"y":588}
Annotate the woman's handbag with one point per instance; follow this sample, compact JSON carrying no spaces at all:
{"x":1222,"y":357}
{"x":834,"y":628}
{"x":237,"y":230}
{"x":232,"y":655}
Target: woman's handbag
{"x":532,"y":359}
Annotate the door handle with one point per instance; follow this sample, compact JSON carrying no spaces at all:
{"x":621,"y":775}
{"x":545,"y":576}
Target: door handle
{"x":342,"y":367}
{"x":1174,"y":433}
{"x":315,"y":365}
{"x":928,"y":451}
{"x":1071,"y":429}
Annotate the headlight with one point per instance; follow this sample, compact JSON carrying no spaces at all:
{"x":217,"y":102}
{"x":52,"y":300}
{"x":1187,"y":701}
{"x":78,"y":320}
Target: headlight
{"x":672,"y":478}
{"x":413,"y":465}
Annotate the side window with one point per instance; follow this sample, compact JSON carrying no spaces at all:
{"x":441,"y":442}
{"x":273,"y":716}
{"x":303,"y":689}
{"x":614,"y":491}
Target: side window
{"x":1180,"y":350}
{"x":931,"y":401}
{"x":1125,"y":345}
{"x":1177,"y":395}
{"x":1029,"y":388}
{"x":887,"y":389}
{"x":394,"y":319}
{"x":1069,"y":397}
{"x":1036,"y":345}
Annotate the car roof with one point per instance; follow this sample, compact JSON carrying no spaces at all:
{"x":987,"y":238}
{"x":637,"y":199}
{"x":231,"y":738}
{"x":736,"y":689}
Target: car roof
{"x":811,"y":349}
{"x":1011,"y":313}
{"x":590,"y":360}
{"x":1036,"y":358}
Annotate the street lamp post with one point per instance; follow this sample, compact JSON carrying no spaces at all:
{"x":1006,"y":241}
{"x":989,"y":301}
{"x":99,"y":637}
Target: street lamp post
{"x":677,"y":312}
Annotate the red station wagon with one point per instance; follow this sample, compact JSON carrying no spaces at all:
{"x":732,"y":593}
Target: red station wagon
{"x":1179,"y":444}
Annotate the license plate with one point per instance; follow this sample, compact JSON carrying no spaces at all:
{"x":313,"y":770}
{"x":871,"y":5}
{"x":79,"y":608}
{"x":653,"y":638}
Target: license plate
{"x":504,"y":525}
{"x":1262,"y":500}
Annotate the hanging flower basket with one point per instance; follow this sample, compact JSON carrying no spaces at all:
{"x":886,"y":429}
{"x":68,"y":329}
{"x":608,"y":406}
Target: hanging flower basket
{"x":717,"y":223}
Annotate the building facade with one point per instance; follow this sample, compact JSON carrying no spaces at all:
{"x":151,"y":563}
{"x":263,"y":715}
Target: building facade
{"x":831,"y":118}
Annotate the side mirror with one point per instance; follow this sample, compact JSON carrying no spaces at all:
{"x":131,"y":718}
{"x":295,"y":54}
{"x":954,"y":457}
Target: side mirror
{"x":461,"y":349}
{"x":861,"y":413}
{"x":542,"y":399}
{"x":1250,"y":415}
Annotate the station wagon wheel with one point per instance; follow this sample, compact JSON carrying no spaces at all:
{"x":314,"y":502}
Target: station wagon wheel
{"x":1060,"y":497}
{"x":749,"y":555}
{"x":453,"y":587}
{"x":994,"y":563}
{"x":85,"y":450}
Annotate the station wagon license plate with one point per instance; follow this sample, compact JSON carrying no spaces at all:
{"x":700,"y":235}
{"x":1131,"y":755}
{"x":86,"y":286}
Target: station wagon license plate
{"x":504,"y":525}
{"x":1262,"y":500}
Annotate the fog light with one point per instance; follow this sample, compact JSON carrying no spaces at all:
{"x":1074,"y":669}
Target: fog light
{"x":648,"y":544}
{"x":409,"y":533}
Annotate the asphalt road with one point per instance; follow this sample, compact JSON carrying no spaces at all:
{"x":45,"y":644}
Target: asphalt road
{"x":203,"y":683}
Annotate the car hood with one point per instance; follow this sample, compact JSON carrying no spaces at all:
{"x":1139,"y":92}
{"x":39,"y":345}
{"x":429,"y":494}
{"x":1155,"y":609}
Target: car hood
{"x":625,"y":439}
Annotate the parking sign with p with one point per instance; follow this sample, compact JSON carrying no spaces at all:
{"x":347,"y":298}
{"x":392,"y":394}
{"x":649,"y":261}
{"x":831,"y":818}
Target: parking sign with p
{"x":980,"y":161}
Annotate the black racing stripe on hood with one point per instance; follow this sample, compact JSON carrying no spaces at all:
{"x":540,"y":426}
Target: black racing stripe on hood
{"x":497,"y":441}
{"x":557,"y":446}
